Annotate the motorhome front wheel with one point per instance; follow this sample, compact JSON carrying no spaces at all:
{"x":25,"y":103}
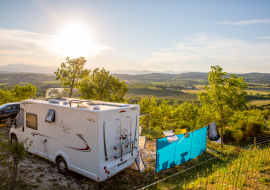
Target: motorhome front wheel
{"x":14,"y":139}
{"x":62,"y":166}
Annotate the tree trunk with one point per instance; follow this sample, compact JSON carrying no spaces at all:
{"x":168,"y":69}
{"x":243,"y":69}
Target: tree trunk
{"x":14,"y":173}
{"x":71,"y":89}
{"x":222,"y":117}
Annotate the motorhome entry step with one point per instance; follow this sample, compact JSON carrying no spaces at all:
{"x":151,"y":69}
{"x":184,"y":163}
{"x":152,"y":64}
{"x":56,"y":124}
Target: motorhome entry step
{"x":140,"y":164}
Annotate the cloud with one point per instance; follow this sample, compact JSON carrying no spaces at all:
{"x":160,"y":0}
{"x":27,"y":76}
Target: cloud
{"x":246,"y":22}
{"x":17,"y":46}
{"x":265,"y":37}
{"x":200,"y":48}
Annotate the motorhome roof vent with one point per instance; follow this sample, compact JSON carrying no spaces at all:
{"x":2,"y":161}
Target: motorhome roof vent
{"x":54,"y":101}
{"x":96,"y":108}
{"x":65,"y":103}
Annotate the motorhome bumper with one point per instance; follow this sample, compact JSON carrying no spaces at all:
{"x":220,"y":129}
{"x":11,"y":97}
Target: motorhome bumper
{"x":114,"y":167}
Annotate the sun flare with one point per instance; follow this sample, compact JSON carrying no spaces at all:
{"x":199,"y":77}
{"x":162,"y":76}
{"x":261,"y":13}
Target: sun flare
{"x":75,"y":40}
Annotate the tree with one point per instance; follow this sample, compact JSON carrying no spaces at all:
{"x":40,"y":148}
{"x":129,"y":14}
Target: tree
{"x":100,"y":85}
{"x":23,"y":92}
{"x":224,"y":95}
{"x":150,"y":106}
{"x":71,"y":72}
{"x":206,"y":115}
{"x":187,"y":113}
{"x":5,"y":96}
{"x":18,"y":93}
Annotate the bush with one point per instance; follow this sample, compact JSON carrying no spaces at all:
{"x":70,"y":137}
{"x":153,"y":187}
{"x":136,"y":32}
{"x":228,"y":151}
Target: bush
{"x":253,"y":128}
{"x":227,"y":135}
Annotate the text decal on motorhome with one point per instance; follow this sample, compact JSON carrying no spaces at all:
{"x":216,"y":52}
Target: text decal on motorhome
{"x":65,"y":128}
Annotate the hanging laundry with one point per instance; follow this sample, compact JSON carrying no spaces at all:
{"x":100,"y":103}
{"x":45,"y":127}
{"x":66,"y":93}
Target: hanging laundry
{"x":213,"y":134}
{"x":189,"y":146}
{"x":170,"y":136}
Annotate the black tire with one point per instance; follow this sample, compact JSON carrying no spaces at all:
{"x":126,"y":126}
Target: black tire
{"x":14,"y":139}
{"x":62,"y":166}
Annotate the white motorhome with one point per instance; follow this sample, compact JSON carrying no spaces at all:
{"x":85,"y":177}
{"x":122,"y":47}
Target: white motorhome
{"x":93,"y":138}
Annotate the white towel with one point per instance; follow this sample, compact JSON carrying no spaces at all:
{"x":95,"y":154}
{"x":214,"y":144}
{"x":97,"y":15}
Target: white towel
{"x":170,"y":136}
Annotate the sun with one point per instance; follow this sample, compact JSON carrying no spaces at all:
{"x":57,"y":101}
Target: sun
{"x":75,"y":40}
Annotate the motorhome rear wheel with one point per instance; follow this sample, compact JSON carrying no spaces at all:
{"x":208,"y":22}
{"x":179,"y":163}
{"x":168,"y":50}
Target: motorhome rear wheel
{"x":62,"y":166}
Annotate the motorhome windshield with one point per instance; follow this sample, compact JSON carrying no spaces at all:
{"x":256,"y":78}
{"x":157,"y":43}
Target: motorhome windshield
{"x":20,"y":118}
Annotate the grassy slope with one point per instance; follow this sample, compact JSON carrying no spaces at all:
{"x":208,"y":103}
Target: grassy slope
{"x":234,"y":169}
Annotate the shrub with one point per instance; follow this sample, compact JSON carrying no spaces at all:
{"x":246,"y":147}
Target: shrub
{"x":253,"y":128}
{"x":238,"y":135}
{"x":227,"y":135}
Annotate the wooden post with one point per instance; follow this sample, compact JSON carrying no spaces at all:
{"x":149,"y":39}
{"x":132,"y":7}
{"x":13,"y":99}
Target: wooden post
{"x":255,"y":144}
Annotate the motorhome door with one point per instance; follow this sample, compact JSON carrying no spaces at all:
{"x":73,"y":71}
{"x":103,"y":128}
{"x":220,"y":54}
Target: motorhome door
{"x":31,"y":129}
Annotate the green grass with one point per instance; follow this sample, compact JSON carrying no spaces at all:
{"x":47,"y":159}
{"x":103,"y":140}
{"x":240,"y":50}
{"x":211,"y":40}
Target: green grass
{"x":229,"y":168}
{"x":238,"y":169}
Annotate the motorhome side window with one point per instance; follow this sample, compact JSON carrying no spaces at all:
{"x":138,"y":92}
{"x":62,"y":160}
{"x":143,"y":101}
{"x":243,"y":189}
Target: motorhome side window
{"x":31,"y":121}
{"x":50,"y":116}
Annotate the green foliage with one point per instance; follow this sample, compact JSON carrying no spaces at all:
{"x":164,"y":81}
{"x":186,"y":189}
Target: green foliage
{"x":163,"y":116}
{"x":187,"y":113}
{"x":206,"y":115}
{"x":238,"y":135}
{"x":100,"y":85}
{"x":253,"y":128}
{"x":23,"y":92}
{"x":228,"y":135}
{"x":147,"y":106}
{"x":71,"y":72}
{"x":224,"y":95}
{"x":18,"y":93}
{"x":5,"y":96}
{"x":249,"y":122}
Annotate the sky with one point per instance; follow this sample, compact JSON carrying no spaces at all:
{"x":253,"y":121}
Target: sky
{"x":155,"y":35}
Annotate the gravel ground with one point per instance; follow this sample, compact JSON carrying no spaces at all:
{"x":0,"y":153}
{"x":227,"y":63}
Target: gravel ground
{"x":35,"y":172}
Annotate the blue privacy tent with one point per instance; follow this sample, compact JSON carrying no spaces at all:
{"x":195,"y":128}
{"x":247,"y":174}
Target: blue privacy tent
{"x":189,"y":146}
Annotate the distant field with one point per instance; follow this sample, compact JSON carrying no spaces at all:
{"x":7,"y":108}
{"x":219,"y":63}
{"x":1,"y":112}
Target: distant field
{"x":264,"y":92}
{"x":260,"y":102}
{"x":51,"y":82}
{"x":185,"y":95}
{"x":169,"y":83}
{"x":174,"y":95}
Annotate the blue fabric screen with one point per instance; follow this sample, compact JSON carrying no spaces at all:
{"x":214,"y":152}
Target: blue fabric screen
{"x":189,"y":146}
